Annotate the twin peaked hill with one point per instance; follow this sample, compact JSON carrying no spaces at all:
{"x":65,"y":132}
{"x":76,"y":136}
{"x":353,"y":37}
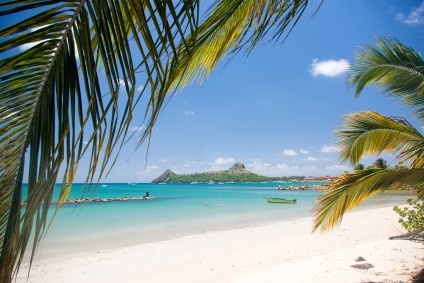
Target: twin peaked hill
{"x":237,"y":173}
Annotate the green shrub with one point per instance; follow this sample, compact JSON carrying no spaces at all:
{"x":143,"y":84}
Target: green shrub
{"x":412,"y":217}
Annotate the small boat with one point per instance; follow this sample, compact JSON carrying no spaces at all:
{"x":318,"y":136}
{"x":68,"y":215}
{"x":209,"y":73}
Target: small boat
{"x":280,"y":200}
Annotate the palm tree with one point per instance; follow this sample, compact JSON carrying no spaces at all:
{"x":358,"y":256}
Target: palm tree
{"x":380,"y":163}
{"x":73,"y":72}
{"x":359,"y":166}
{"x":398,"y":71}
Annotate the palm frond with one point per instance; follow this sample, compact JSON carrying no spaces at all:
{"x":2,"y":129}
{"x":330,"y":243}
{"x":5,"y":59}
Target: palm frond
{"x":370,"y":133}
{"x":351,"y":189}
{"x":69,"y":82}
{"x":232,"y":25}
{"x":395,"y":68}
{"x":73,"y":90}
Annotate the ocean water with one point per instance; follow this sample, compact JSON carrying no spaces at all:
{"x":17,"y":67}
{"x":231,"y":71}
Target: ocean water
{"x":176,"y":211}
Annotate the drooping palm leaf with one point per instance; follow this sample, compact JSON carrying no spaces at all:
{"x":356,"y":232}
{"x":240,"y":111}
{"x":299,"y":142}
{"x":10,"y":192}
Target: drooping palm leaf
{"x":370,"y":133}
{"x":230,"y":26}
{"x":395,"y":68}
{"x":74,"y":91}
{"x":351,"y":189}
{"x":398,"y":71}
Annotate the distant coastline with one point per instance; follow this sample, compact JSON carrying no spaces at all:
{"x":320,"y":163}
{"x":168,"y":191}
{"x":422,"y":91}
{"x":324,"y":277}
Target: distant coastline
{"x":235,"y":174}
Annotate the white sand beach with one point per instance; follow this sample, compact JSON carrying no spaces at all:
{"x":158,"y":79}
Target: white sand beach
{"x":283,"y":252}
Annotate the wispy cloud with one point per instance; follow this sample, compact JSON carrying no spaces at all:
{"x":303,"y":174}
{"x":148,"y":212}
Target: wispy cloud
{"x":337,"y":168}
{"x":152,"y":167}
{"x":189,"y":113}
{"x":414,"y":18}
{"x":289,"y":152}
{"x":304,"y":151}
{"x":27,"y":46}
{"x":283,"y":167}
{"x":311,"y":158}
{"x":140,"y":88}
{"x":149,"y":170}
{"x":258,"y":166}
{"x":122,"y":83}
{"x":137,"y":129}
{"x":329,"y":149}
{"x":329,"y":68}
{"x":224,"y":161}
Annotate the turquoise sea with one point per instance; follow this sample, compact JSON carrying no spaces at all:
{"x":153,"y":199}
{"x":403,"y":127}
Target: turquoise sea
{"x":177,"y":210}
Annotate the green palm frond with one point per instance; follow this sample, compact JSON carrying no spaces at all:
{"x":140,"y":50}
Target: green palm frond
{"x":351,"y":189}
{"x":371,"y":133}
{"x":399,"y":71}
{"x":236,"y":24}
{"x":73,"y":90}
{"x":395,"y":68}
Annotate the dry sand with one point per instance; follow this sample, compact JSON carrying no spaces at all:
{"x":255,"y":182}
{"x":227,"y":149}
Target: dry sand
{"x":283,"y":252}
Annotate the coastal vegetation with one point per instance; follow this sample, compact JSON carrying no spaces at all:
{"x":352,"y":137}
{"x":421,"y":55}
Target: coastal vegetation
{"x":73,"y":73}
{"x":397,"y":70}
{"x":217,"y":177}
{"x":412,"y":217}
{"x":237,"y":174}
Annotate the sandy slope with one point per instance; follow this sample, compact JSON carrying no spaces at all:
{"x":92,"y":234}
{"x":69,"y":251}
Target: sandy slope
{"x":283,"y":252}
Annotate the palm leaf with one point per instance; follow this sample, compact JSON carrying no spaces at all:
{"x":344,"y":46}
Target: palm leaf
{"x":371,"y":133}
{"x":399,"y":71}
{"x":395,"y":68}
{"x":351,"y":189}
{"x":73,"y":93}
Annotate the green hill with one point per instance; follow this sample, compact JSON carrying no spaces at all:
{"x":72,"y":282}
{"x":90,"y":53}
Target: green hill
{"x":237,"y":173}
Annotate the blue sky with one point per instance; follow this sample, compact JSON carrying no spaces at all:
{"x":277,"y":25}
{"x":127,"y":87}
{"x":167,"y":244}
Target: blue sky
{"x":276,"y":110}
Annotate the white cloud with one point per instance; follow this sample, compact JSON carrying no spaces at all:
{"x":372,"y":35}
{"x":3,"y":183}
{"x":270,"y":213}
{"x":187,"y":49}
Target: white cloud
{"x":137,"y":129}
{"x":329,"y":68}
{"x":223,"y":161}
{"x":304,"y":151}
{"x":152,"y":167}
{"x":415,"y":17}
{"x":122,"y":83}
{"x":283,"y":167}
{"x":27,"y":46}
{"x":140,"y":88}
{"x":258,"y":166}
{"x":189,"y":113}
{"x":311,"y":158}
{"x":149,"y":170}
{"x":329,"y":148}
{"x":337,"y":168}
{"x":289,"y":152}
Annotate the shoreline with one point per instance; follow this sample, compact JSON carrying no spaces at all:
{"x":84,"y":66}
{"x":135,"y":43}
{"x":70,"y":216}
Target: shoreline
{"x":279,"y":252}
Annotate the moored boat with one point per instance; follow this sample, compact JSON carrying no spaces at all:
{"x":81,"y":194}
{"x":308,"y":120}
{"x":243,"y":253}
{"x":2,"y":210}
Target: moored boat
{"x":280,"y":200}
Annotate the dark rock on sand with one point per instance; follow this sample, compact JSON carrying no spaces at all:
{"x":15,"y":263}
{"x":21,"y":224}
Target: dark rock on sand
{"x":359,"y":258}
{"x":362,"y":266}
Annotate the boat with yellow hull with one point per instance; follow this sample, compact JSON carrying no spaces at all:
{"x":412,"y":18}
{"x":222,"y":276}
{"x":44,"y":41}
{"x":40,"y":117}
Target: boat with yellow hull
{"x":280,"y":200}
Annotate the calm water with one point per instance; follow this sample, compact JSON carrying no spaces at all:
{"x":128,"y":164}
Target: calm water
{"x":178,"y":210}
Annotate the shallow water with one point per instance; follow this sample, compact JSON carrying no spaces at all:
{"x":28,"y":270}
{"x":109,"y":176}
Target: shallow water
{"x":178,"y":210}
